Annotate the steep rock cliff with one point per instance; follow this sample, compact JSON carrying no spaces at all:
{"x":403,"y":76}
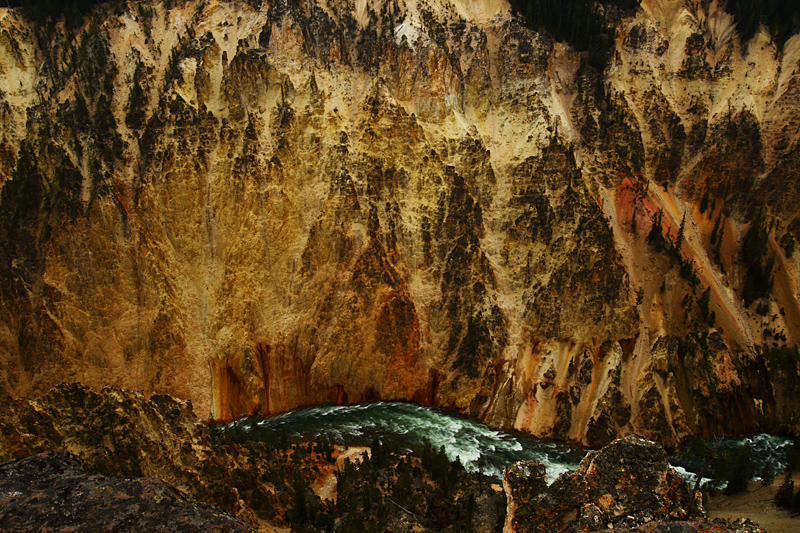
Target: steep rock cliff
{"x":263,"y":205}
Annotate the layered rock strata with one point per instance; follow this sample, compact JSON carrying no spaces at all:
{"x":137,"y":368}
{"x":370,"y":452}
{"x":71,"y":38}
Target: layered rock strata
{"x":258,"y":206}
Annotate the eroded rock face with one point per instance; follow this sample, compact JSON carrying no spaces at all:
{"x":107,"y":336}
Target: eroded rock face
{"x":52,"y":492}
{"x":258,"y":206}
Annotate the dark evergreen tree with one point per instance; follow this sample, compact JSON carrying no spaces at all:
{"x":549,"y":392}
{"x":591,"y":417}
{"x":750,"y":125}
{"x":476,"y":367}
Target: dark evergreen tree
{"x":681,"y":230}
{"x":796,"y":503}
{"x":784,"y":496}
{"x":766,"y":474}
{"x":739,"y":473}
{"x":703,"y":304}
{"x":655,"y":237}
{"x":704,"y":202}
{"x":715,"y":231}
{"x":793,"y":459}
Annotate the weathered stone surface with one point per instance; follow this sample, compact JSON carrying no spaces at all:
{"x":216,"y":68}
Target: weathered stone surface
{"x":722,"y":526}
{"x":626,"y":486}
{"x":522,"y":483}
{"x":52,"y":492}
{"x":261,"y":205}
{"x":627,"y":483}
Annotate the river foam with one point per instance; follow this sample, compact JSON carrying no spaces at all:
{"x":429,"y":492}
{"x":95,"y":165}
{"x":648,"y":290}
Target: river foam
{"x":478,"y":447}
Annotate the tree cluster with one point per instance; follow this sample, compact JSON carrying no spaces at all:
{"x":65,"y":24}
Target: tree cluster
{"x":672,"y":246}
{"x":384,"y":489}
{"x":428,"y":490}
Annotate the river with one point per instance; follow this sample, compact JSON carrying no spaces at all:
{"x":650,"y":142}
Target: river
{"x":478,"y":446}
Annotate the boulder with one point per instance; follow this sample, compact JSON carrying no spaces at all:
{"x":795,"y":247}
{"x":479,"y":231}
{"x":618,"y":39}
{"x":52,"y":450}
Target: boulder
{"x":625,"y":484}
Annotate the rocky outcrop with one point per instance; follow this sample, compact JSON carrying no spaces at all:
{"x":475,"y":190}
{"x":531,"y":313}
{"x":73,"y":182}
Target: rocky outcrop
{"x":52,"y":492}
{"x":629,"y":482}
{"x":739,"y":526}
{"x":258,"y":206}
{"x":117,"y":432}
{"x":626,"y":486}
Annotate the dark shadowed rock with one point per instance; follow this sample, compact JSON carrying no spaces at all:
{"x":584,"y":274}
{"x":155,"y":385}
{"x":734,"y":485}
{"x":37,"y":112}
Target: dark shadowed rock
{"x":52,"y":492}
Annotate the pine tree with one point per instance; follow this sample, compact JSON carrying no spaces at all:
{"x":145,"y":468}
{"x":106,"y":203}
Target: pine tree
{"x":715,"y":231}
{"x":796,"y":503}
{"x":679,"y":239}
{"x":703,"y":303}
{"x":655,"y":237}
{"x":740,"y":471}
{"x":783,"y":498}
{"x":766,"y":474}
{"x":299,"y":511}
{"x":759,"y":262}
{"x":793,"y":459}
{"x":704,"y":202}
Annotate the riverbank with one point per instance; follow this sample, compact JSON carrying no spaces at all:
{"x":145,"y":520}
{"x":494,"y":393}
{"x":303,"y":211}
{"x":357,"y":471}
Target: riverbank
{"x":757,"y":504}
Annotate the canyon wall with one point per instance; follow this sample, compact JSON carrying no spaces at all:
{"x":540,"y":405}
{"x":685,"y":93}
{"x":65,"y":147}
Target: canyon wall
{"x":258,"y":206}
